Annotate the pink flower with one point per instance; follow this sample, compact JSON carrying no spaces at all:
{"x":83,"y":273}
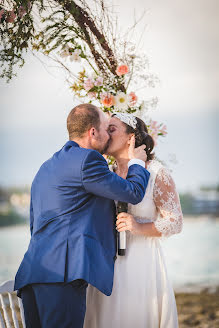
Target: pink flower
{"x":99,"y":81}
{"x":11,"y":16}
{"x":107,"y":99}
{"x":132,"y":99}
{"x":153,"y":125}
{"x":122,"y":70}
{"x":154,"y":130}
{"x":163,"y":130}
{"x":88,"y":84}
{"x":22,"y":11}
{"x":92,"y":95}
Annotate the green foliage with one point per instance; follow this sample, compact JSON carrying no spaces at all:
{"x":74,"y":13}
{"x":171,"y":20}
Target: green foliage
{"x":16,"y":31}
{"x":68,"y":30}
{"x":46,"y":26}
{"x":210,"y":188}
{"x":11,"y":218}
{"x":4,"y":194}
{"x":187,"y":202}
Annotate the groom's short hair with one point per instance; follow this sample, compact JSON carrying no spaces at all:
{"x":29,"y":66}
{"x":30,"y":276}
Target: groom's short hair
{"x":81,"y":119}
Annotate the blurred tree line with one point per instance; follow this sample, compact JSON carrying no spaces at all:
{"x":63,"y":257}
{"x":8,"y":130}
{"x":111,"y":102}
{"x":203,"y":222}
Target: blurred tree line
{"x":9,"y":215}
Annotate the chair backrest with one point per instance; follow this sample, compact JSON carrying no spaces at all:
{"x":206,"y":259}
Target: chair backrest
{"x":11,"y":314}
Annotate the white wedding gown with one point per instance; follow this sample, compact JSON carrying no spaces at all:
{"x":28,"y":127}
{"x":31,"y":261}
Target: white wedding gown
{"x":142,"y":295}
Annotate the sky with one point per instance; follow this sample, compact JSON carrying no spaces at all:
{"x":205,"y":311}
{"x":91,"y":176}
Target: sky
{"x":181,"y":40}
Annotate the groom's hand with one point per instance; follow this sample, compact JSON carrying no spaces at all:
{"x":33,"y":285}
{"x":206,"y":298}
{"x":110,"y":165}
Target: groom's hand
{"x":137,"y":153}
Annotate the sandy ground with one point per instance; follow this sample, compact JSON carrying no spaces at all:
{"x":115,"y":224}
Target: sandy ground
{"x":199,"y":310}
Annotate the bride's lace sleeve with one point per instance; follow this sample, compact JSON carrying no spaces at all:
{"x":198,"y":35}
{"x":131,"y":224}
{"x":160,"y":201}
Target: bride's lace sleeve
{"x":168,"y":205}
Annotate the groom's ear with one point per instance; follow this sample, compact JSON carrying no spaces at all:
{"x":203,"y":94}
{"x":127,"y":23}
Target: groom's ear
{"x":91,"y":132}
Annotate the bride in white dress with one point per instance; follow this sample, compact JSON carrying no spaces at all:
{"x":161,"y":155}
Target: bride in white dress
{"x":142,"y":295}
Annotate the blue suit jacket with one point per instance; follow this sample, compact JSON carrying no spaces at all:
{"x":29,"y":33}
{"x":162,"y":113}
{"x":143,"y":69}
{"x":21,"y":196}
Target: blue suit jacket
{"x":72,"y":216}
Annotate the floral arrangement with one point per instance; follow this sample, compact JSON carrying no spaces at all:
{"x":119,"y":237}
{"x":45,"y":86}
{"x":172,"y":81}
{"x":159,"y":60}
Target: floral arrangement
{"x":107,"y":94}
{"x":81,"y":31}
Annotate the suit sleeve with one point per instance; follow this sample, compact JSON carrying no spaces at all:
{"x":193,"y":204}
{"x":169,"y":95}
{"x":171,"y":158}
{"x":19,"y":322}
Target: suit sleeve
{"x":31,"y":216}
{"x":99,"y":180}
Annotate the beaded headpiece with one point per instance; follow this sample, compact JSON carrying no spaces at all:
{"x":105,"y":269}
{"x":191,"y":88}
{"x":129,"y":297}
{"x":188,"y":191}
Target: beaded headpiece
{"x":129,"y":119}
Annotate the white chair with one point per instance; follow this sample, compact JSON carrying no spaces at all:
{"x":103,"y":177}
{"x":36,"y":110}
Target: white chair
{"x":6,"y":292}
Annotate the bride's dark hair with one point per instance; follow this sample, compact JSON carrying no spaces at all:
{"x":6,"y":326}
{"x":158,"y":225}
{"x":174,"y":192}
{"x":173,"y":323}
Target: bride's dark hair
{"x":142,"y":137}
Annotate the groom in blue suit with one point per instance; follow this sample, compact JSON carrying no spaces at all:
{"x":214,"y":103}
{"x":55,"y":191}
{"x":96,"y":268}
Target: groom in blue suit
{"x":72,"y":212}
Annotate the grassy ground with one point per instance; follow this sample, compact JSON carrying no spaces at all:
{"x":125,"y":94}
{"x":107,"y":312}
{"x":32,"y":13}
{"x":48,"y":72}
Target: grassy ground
{"x":199,"y":310}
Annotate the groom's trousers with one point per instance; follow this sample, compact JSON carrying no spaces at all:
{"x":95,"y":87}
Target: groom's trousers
{"x":55,"y":305}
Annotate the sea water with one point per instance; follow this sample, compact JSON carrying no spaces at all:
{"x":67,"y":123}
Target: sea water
{"x":192,"y":257}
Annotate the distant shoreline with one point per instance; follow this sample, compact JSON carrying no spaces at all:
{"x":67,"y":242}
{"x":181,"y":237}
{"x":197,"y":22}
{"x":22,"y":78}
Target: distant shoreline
{"x":191,"y":218}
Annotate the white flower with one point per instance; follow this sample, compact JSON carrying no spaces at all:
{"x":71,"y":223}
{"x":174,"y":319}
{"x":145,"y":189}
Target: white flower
{"x":153,"y":102}
{"x":94,"y":75}
{"x":75,"y":56}
{"x":172,"y":158}
{"x":65,"y":52}
{"x":149,"y":104}
{"x":121,"y":101}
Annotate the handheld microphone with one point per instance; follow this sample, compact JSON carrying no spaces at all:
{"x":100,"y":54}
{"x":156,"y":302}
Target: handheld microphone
{"x":121,"y":239}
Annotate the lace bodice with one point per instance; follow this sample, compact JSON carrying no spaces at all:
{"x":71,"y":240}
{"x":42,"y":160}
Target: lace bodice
{"x":161,"y":203}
